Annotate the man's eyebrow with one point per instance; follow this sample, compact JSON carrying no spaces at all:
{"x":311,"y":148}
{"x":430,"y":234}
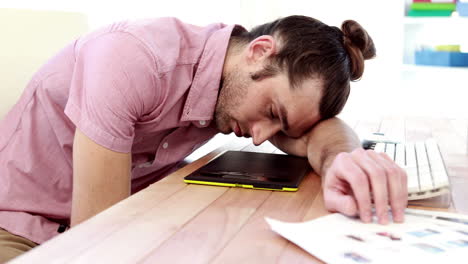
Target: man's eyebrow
{"x":283,"y":116}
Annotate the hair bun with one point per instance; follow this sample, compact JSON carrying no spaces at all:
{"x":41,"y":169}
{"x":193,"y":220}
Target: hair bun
{"x":359,"y":46}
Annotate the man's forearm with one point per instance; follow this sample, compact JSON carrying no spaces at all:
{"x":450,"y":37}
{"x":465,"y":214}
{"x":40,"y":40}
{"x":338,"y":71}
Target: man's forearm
{"x":326,"y":140}
{"x":101,"y":178}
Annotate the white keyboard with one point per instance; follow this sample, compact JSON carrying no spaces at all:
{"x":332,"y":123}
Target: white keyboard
{"x":427,"y":176}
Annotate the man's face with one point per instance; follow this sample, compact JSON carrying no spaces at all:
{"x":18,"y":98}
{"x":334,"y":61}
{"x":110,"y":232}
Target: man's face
{"x":262,"y":108}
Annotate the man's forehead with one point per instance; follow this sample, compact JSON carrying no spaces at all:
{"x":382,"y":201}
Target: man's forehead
{"x":299,"y":115}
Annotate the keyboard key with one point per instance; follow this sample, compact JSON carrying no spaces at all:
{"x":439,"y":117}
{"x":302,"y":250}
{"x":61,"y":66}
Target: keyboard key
{"x":425,"y":180}
{"x":411,"y":170}
{"x":440,"y":178}
{"x":379,"y":147}
{"x":439,"y":174}
{"x":435,"y":158}
{"x":390,"y":150}
{"x":400,"y":158}
{"x":413,"y":182}
{"x":421,"y":154}
{"x":410,"y":155}
{"x":424,"y":171}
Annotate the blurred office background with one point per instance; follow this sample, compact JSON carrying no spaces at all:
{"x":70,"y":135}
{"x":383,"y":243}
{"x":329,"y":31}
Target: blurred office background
{"x":393,"y":83}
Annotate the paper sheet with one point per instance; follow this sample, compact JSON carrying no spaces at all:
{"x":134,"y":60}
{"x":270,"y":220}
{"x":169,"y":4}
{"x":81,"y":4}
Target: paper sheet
{"x":424,"y":237}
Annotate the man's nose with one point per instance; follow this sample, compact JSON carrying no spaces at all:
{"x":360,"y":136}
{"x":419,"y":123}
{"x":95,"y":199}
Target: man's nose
{"x":262,"y":132}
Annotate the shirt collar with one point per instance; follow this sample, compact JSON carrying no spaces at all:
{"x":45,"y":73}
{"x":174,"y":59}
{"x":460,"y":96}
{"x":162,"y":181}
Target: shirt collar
{"x":203,"y":94}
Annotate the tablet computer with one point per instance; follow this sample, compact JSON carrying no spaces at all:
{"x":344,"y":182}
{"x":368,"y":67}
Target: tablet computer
{"x":252,"y":170}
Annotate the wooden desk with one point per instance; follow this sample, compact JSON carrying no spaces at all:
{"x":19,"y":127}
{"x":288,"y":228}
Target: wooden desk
{"x":172,"y":222}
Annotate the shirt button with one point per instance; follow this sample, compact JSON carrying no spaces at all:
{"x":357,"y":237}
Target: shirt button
{"x":165,"y":145}
{"x":202,"y":122}
{"x":144,"y":165}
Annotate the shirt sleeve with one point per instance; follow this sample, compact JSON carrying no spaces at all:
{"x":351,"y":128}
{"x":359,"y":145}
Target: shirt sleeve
{"x":113,"y":85}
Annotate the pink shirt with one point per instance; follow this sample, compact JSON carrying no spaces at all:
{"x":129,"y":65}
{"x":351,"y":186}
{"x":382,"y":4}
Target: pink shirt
{"x":146,"y":87}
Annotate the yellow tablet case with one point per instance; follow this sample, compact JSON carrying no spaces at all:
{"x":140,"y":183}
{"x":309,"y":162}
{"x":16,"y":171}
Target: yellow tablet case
{"x":252,"y":170}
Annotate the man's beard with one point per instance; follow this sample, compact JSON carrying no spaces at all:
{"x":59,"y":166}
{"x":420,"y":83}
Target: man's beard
{"x":234,"y":87}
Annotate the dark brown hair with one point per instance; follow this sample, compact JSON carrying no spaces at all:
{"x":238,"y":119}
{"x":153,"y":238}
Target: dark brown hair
{"x":310,"y":49}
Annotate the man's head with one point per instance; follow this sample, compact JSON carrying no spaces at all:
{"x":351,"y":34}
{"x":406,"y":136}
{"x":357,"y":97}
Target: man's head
{"x":289,"y":74}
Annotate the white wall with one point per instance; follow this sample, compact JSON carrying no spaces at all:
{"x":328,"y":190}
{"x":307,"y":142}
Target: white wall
{"x":102,"y":12}
{"x":28,"y":38}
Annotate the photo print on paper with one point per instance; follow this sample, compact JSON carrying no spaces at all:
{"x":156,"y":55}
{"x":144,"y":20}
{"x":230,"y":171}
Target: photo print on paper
{"x":424,"y":232}
{"x":356,"y":257}
{"x":459,"y":243}
{"x":354,"y":237}
{"x":389,"y":235}
{"x":428,"y":248}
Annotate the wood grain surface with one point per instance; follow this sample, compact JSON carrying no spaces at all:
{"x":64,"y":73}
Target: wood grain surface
{"x":174,"y":222}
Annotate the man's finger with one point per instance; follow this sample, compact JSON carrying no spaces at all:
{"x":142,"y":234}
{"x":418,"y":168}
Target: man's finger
{"x":378,"y":179}
{"x":357,"y":179}
{"x":397,"y":189}
{"x":338,"y":202}
{"x":404,"y":179}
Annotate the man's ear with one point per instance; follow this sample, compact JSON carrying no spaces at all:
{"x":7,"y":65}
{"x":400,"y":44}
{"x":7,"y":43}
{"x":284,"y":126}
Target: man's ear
{"x":260,"y":49}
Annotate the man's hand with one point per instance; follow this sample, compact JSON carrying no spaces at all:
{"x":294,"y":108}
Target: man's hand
{"x":351,"y":177}
{"x":355,"y":179}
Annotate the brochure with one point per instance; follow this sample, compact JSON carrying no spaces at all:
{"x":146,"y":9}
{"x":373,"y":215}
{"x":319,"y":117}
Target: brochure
{"x":424,"y":237}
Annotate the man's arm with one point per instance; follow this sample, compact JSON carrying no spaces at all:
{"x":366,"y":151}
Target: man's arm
{"x":328,"y":139}
{"x":101,"y":178}
{"x":353,"y":177}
